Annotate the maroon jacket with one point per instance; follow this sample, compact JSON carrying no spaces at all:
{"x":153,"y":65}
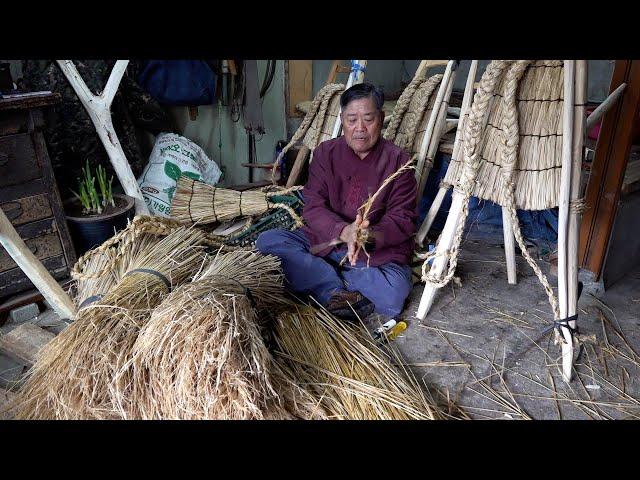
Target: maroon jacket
{"x":340,"y":182}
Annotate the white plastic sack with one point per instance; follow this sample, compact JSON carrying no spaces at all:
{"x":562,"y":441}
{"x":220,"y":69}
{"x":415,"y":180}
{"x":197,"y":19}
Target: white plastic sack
{"x":172,"y":156}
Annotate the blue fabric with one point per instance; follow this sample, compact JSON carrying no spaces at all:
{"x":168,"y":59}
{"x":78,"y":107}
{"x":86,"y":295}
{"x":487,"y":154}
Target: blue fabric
{"x":179,"y":82}
{"x":386,"y":286}
{"x":486,"y":217}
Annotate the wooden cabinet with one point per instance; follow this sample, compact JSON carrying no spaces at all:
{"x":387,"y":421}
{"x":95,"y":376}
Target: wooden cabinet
{"x":28,"y":192}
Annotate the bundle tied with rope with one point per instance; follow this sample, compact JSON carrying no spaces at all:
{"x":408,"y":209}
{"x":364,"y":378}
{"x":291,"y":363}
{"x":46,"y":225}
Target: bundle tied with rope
{"x":202,"y":354}
{"x":196,"y":202}
{"x":362,"y":235}
{"x":512,"y":151}
{"x":75,"y":374}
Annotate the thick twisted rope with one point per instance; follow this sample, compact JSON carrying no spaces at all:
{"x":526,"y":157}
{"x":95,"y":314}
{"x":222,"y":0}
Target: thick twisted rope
{"x":472,"y":140}
{"x":401,"y":107}
{"x":510,"y":144}
{"x":422,"y":94}
{"x":319,"y":106}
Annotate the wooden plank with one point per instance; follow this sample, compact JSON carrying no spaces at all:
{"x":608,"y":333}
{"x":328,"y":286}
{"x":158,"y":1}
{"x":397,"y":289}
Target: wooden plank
{"x":300,"y":84}
{"x":28,"y":209}
{"x":28,"y":100}
{"x":44,"y":246}
{"x":15,"y":281}
{"x":24,"y":342}
{"x":608,"y":169}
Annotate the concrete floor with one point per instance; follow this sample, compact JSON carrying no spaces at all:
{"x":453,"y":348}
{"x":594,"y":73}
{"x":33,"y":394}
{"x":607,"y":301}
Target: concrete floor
{"x":482,"y":345}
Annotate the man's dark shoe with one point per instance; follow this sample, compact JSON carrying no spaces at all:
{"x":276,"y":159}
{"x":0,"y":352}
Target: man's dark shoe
{"x":341,"y":303}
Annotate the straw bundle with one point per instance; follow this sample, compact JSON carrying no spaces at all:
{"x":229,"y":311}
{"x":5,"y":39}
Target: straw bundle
{"x":350,"y":376}
{"x":411,"y":114}
{"x":197,"y":202}
{"x":75,"y":374}
{"x":202,"y":355}
{"x":536,"y":173}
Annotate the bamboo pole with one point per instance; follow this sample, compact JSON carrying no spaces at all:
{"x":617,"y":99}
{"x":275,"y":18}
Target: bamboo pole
{"x":33,"y":268}
{"x":356,"y":76}
{"x":563,"y":213}
{"x":98,"y":108}
{"x":457,"y":143}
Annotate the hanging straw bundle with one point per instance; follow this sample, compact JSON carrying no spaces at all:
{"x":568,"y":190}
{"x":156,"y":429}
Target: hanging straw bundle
{"x":351,"y":377}
{"x":197,"y":202}
{"x":411,"y":113}
{"x":202,"y":355}
{"x":536,"y":173}
{"x":73,"y":378}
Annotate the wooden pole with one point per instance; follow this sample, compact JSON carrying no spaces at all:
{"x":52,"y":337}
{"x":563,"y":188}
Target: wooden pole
{"x":441,"y":260}
{"x":563,"y":213}
{"x":33,"y":268}
{"x":464,"y":111}
{"x":98,"y":108}
{"x":509,"y":246}
{"x":604,"y":106}
{"x":436,"y":135}
{"x":297,"y":166}
{"x":579,"y":132}
{"x":436,"y":115}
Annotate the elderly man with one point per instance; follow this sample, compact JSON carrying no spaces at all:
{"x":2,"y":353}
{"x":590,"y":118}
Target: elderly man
{"x":344,"y":173}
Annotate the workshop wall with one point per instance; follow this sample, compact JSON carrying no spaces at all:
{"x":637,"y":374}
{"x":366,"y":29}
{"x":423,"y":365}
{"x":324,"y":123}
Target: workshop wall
{"x":214,"y":126}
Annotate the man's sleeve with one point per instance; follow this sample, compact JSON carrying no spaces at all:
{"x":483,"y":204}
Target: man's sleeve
{"x":397,"y":224}
{"x":324,"y":222}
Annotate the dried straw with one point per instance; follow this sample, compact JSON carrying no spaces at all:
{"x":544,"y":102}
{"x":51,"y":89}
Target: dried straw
{"x":411,"y":114}
{"x":202,"y":355}
{"x":362,"y":236}
{"x":537,"y":170}
{"x":196,"y":202}
{"x":73,"y":377}
{"x":351,"y":377}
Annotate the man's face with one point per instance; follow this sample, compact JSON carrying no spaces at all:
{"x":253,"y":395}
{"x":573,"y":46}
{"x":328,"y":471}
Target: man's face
{"x":362,"y":124}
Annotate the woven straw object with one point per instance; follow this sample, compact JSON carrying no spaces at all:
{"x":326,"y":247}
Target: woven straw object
{"x":411,"y":114}
{"x":536,"y":173}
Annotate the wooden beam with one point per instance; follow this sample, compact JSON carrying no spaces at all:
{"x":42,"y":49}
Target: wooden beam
{"x":608,"y":169}
{"x":299,"y":84}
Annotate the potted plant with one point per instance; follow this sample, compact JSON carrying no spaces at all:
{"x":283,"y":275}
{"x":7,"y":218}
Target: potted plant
{"x":95,"y":214}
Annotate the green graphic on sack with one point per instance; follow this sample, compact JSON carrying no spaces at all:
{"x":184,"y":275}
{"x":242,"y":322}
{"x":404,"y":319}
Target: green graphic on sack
{"x":173,"y":171}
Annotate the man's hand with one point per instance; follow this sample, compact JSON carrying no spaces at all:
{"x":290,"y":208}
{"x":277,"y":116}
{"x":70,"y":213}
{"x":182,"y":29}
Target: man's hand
{"x":349,"y":236}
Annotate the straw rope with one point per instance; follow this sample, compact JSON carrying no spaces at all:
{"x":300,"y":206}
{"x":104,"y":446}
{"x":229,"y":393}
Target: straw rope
{"x":317,"y":110}
{"x":411,"y":112}
{"x":473,"y":130}
{"x":362,"y":236}
{"x":115,"y":247}
{"x":577,"y":206}
{"x":509,"y":157}
{"x":539,"y":158}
